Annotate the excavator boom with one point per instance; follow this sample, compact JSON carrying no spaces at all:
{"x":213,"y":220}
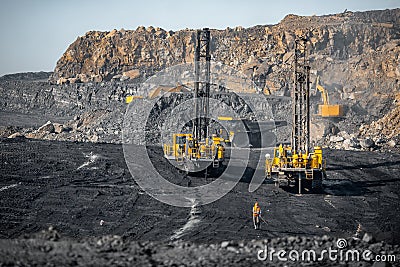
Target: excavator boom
{"x":324,"y":93}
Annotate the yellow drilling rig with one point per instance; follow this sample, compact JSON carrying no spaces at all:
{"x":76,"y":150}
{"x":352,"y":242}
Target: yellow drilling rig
{"x":198,"y":151}
{"x":298,"y":163}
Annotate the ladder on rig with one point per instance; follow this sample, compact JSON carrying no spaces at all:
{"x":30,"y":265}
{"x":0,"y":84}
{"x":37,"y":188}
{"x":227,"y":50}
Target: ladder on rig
{"x":215,"y":163}
{"x":309,"y":174}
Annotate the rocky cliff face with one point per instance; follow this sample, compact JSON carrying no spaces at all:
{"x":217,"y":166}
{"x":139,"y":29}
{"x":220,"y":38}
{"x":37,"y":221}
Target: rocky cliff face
{"x":261,"y":52}
{"x":355,"y":54}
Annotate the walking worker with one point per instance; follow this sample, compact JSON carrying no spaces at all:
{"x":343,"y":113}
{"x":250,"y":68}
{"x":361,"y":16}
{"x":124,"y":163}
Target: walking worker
{"x":256,"y":215}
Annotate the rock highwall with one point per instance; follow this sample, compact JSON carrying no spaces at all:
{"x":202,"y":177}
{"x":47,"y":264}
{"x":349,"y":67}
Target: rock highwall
{"x":261,"y":52}
{"x":355,"y":54}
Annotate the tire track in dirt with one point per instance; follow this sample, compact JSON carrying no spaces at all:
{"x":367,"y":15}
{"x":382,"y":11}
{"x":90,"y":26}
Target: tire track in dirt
{"x":193,"y":221}
{"x":8,"y":187}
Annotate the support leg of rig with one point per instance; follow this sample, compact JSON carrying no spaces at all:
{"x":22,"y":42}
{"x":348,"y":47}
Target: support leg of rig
{"x":299,"y":183}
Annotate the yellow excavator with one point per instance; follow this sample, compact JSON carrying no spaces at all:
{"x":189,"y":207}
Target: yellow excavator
{"x":327,"y":110}
{"x":160,"y":90}
{"x":130,"y":98}
{"x":197,"y":151}
{"x":298,"y":162}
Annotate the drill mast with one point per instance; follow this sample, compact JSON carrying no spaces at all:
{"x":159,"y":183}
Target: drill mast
{"x":202,"y":85}
{"x":301,"y":99}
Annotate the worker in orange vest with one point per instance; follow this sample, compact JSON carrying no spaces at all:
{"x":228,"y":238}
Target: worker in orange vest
{"x":256,"y":215}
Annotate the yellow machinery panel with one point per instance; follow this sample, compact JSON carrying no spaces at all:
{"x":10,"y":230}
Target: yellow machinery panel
{"x":225,"y":118}
{"x":330,"y":110}
{"x":181,"y":148}
{"x":129,"y":98}
{"x":284,"y":159}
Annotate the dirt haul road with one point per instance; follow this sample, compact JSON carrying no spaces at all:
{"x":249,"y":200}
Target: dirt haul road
{"x":84,"y":189}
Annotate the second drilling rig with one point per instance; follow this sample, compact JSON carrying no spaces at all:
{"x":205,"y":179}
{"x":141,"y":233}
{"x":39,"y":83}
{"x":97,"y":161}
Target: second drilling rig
{"x":198,"y":151}
{"x":298,"y":163}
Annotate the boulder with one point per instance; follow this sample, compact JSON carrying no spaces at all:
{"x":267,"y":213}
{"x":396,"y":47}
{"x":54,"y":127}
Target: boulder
{"x":132,"y":74}
{"x":48,"y":127}
{"x":224,"y":244}
{"x":336,"y":139}
{"x":58,"y":128}
{"x":391,"y":143}
{"x":16,"y":135}
{"x":367,"y":143}
{"x":351,"y":143}
{"x":344,"y":134}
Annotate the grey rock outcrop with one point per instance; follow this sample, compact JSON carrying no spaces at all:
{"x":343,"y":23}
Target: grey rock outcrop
{"x":355,"y":53}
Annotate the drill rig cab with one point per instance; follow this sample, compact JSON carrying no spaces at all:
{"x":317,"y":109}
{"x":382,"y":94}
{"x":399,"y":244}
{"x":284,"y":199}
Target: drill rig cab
{"x":298,"y":162}
{"x":197,"y":151}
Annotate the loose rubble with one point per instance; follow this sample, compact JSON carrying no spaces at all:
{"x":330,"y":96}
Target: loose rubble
{"x":113,"y":250}
{"x":382,"y":134}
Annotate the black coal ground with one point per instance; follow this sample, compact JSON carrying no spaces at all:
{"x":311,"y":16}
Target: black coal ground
{"x":86,"y":193}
